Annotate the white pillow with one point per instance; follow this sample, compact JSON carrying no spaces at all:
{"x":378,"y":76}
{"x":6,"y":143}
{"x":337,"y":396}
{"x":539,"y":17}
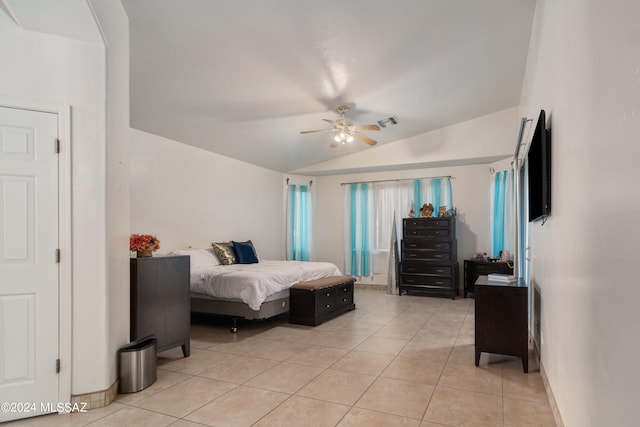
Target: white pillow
{"x":200,"y":257}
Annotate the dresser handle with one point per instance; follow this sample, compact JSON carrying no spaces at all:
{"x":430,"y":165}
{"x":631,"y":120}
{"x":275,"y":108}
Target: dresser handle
{"x":437,"y":256}
{"x":344,"y":300}
{"x":412,"y":255}
{"x":439,"y":271}
{"x":437,"y":232}
{"x":439,"y":283}
{"x":414,"y":233}
{"x":328,"y":306}
{"x":328,"y":294}
{"x":345,"y":290}
{"x":413,"y":245}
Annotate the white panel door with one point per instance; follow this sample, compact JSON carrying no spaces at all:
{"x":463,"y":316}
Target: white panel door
{"x":28,"y":266}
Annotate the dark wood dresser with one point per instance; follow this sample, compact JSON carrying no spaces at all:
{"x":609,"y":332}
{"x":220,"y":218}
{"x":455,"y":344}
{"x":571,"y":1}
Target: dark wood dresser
{"x":429,"y":256}
{"x":474,"y":268}
{"x":501,"y":319}
{"x":160,"y":304}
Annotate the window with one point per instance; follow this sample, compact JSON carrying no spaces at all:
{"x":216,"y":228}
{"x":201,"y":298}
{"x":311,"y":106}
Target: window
{"x":370,"y":209}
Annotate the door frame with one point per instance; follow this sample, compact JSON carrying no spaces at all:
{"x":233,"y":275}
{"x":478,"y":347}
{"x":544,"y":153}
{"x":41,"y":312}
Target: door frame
{"x":64,"y":229}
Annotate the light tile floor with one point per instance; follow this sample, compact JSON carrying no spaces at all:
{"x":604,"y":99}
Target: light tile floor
{"x":394,"y":361}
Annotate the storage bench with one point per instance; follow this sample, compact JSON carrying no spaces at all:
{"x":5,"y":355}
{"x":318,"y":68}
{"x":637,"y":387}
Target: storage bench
{"x":316,"y":301}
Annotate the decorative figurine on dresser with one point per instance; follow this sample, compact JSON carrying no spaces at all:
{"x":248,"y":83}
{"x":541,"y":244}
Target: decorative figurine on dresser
{"x":429,"y":256}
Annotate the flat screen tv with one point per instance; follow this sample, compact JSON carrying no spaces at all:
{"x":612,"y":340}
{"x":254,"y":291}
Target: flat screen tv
{"x":539,"y":171}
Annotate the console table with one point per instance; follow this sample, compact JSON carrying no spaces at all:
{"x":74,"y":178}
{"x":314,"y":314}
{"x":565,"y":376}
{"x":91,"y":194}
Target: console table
{"x":501,"y":319}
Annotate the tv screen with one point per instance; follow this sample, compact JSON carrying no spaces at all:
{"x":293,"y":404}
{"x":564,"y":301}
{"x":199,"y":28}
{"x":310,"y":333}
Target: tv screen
{"x":539,"y":171}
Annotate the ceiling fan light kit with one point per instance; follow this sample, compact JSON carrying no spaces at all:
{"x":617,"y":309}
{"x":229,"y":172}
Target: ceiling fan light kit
{"x":346,"y":130}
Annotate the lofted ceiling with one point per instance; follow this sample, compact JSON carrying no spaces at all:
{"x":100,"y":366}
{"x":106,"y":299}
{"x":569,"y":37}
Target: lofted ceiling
{"x":242,"y":78}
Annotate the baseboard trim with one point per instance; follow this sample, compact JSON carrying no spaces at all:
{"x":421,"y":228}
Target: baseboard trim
{"x":97,"y":399}
{"x":372,"y":286}
{"x":550,"y":396}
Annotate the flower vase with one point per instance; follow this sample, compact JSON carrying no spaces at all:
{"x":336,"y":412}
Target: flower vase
{"x":145,"y":253}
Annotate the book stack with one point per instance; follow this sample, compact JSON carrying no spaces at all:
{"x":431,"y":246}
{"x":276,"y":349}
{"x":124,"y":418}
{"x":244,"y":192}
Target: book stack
{"x":502,"y":278}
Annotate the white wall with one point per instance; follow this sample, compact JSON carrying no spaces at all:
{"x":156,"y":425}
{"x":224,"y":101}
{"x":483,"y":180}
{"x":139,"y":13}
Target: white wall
{"x":471,"y":194}
{"x":583,"y":70}
{"x":57,"y":70}
{"x":115,"y":29}
{"x":191,"y":197}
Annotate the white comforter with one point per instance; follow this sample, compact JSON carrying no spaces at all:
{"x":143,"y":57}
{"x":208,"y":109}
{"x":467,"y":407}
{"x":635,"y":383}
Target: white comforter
{"x":254,"y":283}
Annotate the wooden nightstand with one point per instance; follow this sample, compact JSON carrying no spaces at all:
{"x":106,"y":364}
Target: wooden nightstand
{"x":501,"y":319}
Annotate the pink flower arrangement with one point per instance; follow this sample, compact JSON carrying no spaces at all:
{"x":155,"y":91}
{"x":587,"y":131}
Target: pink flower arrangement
{"x":140,"y":242}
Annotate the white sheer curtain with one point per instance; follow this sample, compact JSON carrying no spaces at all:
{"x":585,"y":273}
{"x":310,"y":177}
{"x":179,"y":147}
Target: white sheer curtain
{"x":393,"y":202}
{"x":390,"y":198}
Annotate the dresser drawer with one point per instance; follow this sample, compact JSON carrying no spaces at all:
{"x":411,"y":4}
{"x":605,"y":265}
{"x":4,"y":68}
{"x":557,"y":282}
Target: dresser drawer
{"x":429,"y":233}
{"x":420,"y":267}
{"x":431,"y":281}
{"x":330,"y":299}
{"x":493,"y":267}
{"x":413,"y":223}
{"x":409,"y":254}
{"x":427,"y":244}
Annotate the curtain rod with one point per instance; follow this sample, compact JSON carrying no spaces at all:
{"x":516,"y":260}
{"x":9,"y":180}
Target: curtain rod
{"x":396,"y":180}
{"x":310,"y":182}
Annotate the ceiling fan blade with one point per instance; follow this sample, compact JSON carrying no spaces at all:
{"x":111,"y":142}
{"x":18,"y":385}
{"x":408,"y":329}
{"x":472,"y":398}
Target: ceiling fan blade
{"x":316,"y":131}
{"x":368,"y":127}
{"x":333,"y":144}
{"x":365,"y":138}
{"x":329,"y":121}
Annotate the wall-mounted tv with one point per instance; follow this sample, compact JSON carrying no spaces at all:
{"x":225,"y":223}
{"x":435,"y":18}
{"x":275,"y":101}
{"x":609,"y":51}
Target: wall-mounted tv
{"x":539,"y":171}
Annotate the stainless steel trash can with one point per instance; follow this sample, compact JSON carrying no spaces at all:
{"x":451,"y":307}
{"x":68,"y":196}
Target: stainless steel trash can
{"x":138,"y":364}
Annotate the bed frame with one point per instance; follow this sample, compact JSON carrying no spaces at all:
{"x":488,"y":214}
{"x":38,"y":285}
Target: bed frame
{"x":236,"y":309}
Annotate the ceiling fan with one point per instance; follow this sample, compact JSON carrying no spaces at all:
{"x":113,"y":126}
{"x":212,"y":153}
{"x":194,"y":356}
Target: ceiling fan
{"x":345,"y":129}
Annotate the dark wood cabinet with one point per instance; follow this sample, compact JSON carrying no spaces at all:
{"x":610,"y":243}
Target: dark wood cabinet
{"x":160,"y":304}
{"x":326,"y":299}
{"x":474,"y":268}
{"x":501,"y":320}
{"x":429,"y":256}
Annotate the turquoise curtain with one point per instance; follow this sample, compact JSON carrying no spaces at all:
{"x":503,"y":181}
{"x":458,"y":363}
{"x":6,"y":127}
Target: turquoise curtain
{"x":359,"y":229}
{"x":499,"y":187}
{"x":417,"y":197}
{"x":503,"y":213}
{"x":436,"y":191}
{"x":299,"y":222}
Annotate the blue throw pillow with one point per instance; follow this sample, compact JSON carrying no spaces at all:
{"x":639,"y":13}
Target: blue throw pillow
{"x":245,"y":253}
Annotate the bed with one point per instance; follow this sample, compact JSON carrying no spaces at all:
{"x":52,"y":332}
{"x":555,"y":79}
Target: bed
{"x":252,"y":291}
